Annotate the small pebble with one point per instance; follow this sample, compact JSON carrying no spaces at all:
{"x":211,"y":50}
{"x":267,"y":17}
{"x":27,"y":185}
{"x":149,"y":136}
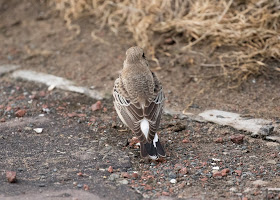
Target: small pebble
{"x":238,"y":139}
{"x":11,"y":176}
{"x":20,"y":113}
{"x":219,"y":140}
{"x":215,"y":168}
{"x":124,"y":182}
{"x":172,"y":175}
{"x":110,"y":169}
{"x":96,"y":106}
{"x":38,"y":130}
{"x":46,"y":110}
{"x":217,"y":174}
{"x":113,"y":177}
{"x":51,"y":87}
{"x":173,"y":181}
{"x":86,"y":188}
{"x":134,"y":175}
{"x":225,"y":172}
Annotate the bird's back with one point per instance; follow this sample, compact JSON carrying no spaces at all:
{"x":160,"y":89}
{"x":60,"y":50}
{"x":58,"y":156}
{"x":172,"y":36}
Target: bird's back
{"x":138,"y":82}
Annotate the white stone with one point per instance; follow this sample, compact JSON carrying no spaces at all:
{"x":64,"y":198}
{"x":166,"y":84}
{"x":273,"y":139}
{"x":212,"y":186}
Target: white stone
{"x":234,"y":120}
{"x":124,"y":182}
{"x":216,"y":168}
{"x":38,"y":130}
{"x":55,"y":82}
{"x":51,"y":87}
{"x":173,"y":181}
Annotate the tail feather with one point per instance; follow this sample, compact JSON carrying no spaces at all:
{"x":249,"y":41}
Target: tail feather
{"x":160,"y":149}
{"x":143,"y":151}
{"x":152,"y":149}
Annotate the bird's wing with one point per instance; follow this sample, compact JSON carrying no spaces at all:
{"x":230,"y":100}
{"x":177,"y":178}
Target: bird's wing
{"x":154,"y":108}
{"x":152,"y":112}
{"x":130,"y":113}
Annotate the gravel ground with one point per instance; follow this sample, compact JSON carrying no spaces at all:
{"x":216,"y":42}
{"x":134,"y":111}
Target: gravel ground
{"x":65,"y":145}
{"x":84,"y":146}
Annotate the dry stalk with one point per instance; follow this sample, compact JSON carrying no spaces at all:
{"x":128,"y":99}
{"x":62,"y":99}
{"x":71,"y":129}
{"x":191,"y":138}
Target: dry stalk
{"x":250,"y":27}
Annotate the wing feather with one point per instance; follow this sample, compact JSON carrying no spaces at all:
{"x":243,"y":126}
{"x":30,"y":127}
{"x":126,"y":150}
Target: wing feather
{"x":153,"y":114}
{"x":131,"y":114}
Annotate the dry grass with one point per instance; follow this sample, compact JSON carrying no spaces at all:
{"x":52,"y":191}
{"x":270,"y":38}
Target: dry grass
{"x":249,"y":29}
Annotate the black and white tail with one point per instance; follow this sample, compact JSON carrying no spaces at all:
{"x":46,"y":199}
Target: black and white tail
{"x":153,"y":149}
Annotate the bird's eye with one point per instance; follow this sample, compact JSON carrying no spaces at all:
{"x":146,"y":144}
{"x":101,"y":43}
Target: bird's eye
{"x":143,"y":55}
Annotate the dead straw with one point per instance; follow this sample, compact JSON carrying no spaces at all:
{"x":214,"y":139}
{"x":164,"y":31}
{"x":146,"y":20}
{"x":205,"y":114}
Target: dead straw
{"x":250,"y":27}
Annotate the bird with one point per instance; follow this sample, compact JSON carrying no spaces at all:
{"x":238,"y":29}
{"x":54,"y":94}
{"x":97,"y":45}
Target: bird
{"x":139,"y":100}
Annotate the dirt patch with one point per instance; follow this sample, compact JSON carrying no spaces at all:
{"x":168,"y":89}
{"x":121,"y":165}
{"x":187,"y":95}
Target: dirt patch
{"x":67,"y":145}
{"x":53,"y":49}
{"x":78,"y":146}
{"x":63,"y":194}
{"x":76,"y":139}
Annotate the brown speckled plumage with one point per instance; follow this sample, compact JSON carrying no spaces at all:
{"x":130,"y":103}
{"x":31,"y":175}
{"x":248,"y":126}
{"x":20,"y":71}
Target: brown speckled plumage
{"x":139,"y":96}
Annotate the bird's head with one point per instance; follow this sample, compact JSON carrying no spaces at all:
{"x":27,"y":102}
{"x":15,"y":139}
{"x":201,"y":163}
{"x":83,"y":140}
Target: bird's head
{"x":134,"y":54}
